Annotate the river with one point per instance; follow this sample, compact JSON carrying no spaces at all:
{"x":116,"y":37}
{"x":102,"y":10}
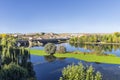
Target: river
{"x":48,"y":68}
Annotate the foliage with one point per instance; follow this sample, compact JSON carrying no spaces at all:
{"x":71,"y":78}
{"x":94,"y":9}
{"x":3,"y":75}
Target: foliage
{"x":13,"y":72}
{"x":98,"y":76}
{"x":8,"y":41}
{"x":50,"y":48}
{"x":14,"y":61}
{"x":80,"y":72}
{"x":3,"y":42}
{"x":103,"y":38}
{"x":90,"y":73}
{"x":16,"y":55}
{"x":61,"y":49}
{"x":4,"y":35}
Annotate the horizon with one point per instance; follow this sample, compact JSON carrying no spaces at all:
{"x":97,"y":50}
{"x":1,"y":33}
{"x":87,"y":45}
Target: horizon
{"x":59,"y":32}
{"x":59,"y":16}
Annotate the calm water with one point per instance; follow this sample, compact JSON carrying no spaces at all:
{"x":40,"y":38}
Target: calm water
{"x":46,"y":70}
{"x":49,"y":68}
{"x":107,"y":49}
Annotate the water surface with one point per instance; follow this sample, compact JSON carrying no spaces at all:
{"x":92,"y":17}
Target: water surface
{"x":106,"y":49}
{"x":47,"y":69}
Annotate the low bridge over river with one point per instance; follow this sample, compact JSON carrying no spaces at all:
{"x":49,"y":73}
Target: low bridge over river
{"x":27,"y":43}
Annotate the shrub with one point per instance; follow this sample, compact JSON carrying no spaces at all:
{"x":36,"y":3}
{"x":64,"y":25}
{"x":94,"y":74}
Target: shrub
{"x":50,"y":48}
{"x":98,"y":76}
{"x":13,"y":72}
{"x":79,"y":72}
{"x":61,"y":49}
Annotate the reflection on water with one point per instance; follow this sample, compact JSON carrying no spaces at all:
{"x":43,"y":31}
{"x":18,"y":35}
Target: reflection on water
{"x":108,"y":49}
{"x":50,"y":67}
{"x":50,"y":58}
{"x":51,"y":70}
{"x":18,"y":56}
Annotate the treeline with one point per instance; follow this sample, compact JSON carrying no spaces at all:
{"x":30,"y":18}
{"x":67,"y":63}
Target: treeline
{"x":95,"y":38}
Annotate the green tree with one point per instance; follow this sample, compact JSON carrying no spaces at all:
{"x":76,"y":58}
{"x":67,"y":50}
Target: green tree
{"x":61,"y":49}
{"x":3,"y":42}
{"x":117,"y":34}
{"x":13,"y":72}
{"x":89,"y":73}
{"x":80,"y":72}
{"x":50,"y":48}
{"x":98,"y":76}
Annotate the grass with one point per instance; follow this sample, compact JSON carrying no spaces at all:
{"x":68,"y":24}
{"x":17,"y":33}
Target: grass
{"x":111,"y":59}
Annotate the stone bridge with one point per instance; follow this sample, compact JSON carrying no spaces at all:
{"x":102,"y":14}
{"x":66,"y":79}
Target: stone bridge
{"x":28,"y":43}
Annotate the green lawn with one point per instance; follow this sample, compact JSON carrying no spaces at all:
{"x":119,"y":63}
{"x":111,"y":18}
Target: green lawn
{"x":86,"y":57}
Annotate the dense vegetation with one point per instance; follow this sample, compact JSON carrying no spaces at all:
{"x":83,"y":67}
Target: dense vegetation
{"x":80,"y":72}
{"x":97,"y":38}
{"x":14,"y":61}
{"x":13,"y":72}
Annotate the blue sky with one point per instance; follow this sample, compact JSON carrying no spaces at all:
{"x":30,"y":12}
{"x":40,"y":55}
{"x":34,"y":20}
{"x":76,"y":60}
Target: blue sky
{"x":84,"y":16}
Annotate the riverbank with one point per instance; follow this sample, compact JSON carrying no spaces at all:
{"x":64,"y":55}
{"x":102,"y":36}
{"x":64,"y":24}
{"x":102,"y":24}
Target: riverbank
{"x":103,"y":43}
{"x":110,"y":59}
